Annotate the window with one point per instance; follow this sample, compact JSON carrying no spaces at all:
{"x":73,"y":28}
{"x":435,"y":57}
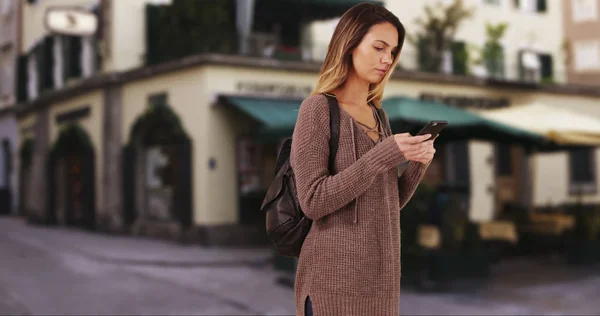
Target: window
{"x":529,"y":66}
{"x":531,"y":6}
{"x":494,"y":2}
{"x":582,"y":171}
{"x":58,"y":62}
{"x":584,"y":10}
{"x":587,"y":55}
{"x":88,"y":61}
{"x":546,"y":70}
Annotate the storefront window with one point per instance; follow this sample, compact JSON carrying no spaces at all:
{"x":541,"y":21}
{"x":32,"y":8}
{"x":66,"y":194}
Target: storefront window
{"x":256,"y":165}
{"x":249,"y":166}
{"x":256,"y":171}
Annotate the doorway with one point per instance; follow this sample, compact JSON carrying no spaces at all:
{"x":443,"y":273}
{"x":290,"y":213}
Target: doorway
{"x":157,"y":172}
{"x":71,"y":180}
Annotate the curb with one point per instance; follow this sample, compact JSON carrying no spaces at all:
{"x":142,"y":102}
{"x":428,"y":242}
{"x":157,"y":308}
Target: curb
{"x":248,"y":261}
{"x":255,"y":263}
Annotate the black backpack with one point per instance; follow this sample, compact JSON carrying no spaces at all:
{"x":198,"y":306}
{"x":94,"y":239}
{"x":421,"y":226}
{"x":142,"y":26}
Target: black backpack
{"x":286,"y":224}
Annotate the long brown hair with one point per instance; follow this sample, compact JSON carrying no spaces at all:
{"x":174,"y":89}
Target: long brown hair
{"x":348,"y":33}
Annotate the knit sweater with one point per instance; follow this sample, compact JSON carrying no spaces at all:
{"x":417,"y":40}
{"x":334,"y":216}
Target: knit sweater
{"x":350,"y":260}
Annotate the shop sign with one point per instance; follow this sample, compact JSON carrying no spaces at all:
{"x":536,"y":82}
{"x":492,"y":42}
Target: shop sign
{"x":464,"y":101}
{"x":73,"y":21}
{"x":273,"y":89}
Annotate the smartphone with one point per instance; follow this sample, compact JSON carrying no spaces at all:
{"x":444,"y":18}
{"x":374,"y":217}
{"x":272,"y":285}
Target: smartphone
{"x":433,"y":128}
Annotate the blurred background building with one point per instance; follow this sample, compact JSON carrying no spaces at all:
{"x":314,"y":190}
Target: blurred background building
{"x":9,"y":43}
{"x":166,"y":122}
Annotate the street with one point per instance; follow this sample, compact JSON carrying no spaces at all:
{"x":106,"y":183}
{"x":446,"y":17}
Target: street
{"x":68,"y":271}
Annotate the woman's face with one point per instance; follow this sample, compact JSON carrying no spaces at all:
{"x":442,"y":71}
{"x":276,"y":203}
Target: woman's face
{"x":374,"y":55}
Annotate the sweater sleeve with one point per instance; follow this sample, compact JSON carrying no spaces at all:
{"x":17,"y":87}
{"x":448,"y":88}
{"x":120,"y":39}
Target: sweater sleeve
{"x":320,"y":193}
{"x":410,"y":179}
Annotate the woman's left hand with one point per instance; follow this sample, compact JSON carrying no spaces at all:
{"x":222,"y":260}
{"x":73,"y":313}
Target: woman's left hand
{"x":428,"y":154}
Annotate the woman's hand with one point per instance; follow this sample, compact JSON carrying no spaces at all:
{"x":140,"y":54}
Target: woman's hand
{"x":416,"y":148}
{"x":427,"y":156}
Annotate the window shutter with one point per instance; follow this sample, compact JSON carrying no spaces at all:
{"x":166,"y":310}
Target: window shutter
{"x":71,"y":57}
{"x":48,"y":64}
{"x":153,"y":54}
{"x":546,"y":65}
{"x":66,"y":64}
{"x":22,"y":79}
{"x":39,"y":54}
{"x":75,"y":57}
{"x":542,"y":6}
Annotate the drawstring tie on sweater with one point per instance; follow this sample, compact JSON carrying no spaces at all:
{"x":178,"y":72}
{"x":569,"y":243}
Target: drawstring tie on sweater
{"x":354,"y":152}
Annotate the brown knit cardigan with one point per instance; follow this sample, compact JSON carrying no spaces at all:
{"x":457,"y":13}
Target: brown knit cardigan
{"x":350,"y":260}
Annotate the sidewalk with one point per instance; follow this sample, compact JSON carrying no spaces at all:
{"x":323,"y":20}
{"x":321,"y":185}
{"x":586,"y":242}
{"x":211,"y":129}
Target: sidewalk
{"x":131,"y":250}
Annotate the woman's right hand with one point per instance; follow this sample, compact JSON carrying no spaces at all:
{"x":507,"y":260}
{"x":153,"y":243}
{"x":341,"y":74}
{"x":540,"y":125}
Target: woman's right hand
{"x":412,"y":146}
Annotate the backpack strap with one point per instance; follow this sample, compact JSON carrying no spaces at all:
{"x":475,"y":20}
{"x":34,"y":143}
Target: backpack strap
{"x":334,"y":130}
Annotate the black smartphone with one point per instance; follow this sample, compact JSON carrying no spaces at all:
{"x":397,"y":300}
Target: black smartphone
{"x":433,"y":128}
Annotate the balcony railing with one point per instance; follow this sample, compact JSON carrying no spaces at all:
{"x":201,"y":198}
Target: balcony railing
{"x":257,"y":44}
{"x":503,"y":70}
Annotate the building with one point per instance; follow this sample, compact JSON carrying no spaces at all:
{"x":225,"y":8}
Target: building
{"x":129,"y":136}
{"x":582,"y":40}
{"x":9,"y":184}
{"x":530,"y":51}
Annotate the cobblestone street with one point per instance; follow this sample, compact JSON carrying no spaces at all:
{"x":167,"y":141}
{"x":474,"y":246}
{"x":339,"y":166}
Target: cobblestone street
{"x":66,"y":271}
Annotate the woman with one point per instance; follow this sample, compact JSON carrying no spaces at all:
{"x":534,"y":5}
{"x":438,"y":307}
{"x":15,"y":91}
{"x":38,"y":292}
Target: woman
{"x":350,"y":260}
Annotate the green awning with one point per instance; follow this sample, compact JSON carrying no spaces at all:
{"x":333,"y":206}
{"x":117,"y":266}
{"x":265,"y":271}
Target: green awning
{"x":409,"y":115}
{"x":277,"y":117}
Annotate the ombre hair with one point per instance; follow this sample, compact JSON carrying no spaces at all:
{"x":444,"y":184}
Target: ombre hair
{"x":348,"y":34}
